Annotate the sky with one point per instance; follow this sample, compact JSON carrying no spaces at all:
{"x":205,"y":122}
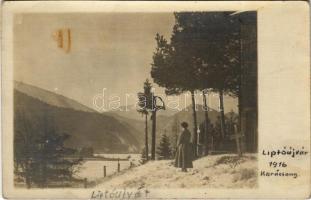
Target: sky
{"x":108,"y":50}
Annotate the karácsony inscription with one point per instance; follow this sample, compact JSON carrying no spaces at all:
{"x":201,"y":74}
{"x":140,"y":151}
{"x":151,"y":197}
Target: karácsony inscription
{"x":278,"y":168}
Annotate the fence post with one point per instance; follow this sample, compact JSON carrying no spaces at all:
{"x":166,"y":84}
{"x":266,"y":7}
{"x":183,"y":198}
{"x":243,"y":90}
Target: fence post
{"x":85,"y":182}
{"x":105,"y":171}
{"x":118,"y":165}
{"x":238,"y":136}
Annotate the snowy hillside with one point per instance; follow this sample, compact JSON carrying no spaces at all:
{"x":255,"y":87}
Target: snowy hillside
{"x":215,"y":171}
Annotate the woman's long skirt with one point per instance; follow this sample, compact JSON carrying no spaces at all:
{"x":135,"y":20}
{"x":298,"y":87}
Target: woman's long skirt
{"x":184,"y":156}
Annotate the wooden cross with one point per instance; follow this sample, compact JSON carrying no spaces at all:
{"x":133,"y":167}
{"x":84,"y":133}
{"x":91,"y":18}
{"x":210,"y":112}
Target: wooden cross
{"x":237,"y":136}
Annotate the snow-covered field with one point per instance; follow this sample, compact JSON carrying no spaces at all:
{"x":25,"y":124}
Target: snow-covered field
{"x":215,"y":171}
{"x":121,"y":156}
{"x":94,"y":169}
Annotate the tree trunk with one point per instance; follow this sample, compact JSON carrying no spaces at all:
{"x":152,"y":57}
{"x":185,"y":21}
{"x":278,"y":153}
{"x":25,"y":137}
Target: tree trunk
{"x":206,"y":122}
{"x":222,"y":113}
{"x":195,"y":127}
{"x":153,"y":137}
{"x":28,"y":183}
{"x":146,"y":136}
{"x":240,"y":85}
{"x":27,"y":175}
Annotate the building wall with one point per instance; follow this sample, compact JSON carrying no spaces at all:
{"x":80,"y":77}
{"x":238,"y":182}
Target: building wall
{"x":248,"y":96}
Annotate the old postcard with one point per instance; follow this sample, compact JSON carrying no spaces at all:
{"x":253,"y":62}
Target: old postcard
{"x":156,"y":100}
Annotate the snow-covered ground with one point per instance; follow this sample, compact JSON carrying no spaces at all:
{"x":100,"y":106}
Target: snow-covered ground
{"x":121,"y":156}
{"x":94,"y":169}
{"x":214,"y":171}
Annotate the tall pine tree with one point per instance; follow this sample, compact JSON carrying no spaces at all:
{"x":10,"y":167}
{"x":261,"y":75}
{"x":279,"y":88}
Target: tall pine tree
{"x":215,"y":40}
{"x":204,"y":53}
{"x":145,"y":104}
{"x":173,"y":68}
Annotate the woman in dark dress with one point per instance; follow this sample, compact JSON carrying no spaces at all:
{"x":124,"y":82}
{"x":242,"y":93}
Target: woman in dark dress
{"x":184,"y":154}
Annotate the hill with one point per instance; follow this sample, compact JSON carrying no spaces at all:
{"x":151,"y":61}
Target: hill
{"x":50,"y":98}
{"x":87,"y":129}
{"x":137,"y":126}
{"x":165,"y":123}
{"x":169,"y":123}
{"x":130,"y":112}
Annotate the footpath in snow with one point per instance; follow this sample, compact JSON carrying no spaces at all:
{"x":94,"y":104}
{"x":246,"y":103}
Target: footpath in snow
{"x":213,"y":171}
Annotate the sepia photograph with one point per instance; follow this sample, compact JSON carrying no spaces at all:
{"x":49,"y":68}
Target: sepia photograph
{"x":125,"y":105}
{"x":135,"y":100}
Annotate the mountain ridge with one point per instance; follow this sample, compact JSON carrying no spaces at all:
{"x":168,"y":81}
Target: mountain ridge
{"x":50,"y":97}
{"x":104,"y":133}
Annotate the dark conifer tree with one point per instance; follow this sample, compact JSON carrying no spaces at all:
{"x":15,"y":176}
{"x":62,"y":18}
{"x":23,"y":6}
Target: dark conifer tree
{"x":164,"y":151}
{"x":143,"y":155}
{"x":40,"y":157}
